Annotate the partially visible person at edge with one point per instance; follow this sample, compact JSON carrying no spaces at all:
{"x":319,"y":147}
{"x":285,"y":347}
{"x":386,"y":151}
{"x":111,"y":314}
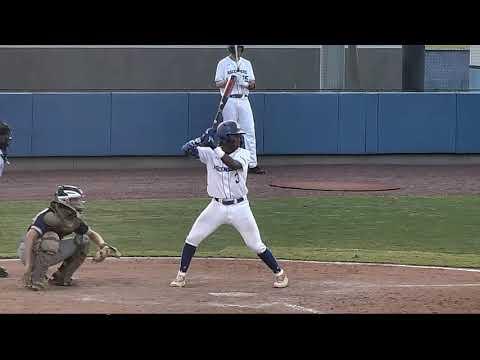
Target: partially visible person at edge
{"x":5,"y":139}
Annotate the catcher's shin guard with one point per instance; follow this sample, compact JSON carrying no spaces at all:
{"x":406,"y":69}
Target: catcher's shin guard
{"x":63,"y":276}
{"x":40,"y":265}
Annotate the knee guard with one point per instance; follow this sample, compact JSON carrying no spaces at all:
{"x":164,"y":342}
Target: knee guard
{"x":50,"y":243}
{"x":45,"y":251}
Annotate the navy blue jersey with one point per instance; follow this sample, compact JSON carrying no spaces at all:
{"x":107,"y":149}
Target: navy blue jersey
{"x":41,"y":227}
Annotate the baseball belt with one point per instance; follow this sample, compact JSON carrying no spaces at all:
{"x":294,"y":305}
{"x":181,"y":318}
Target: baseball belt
{"x":229,"y":202}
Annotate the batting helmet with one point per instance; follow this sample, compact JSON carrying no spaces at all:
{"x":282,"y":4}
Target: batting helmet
{"x":72,"y":196}
{"x":5,"y":135}
{"x":227,"y":128}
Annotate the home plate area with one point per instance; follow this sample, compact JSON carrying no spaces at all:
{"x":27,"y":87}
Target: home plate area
{"x":220,"y":285}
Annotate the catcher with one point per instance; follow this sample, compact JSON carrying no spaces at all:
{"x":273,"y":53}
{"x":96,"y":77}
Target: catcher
{"x":45,"y":245}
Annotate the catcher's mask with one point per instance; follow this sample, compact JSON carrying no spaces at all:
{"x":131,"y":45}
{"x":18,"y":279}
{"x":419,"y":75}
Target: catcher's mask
{"x":71,"y":196}
{"x":5,"y":136}
{"x":225,"y":131}
{"x":240,"y":48}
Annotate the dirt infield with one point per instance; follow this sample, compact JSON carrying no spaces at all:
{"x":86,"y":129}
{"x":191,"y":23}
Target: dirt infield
{"x":245,"y":286}
{"x":334,"y":185}
{"x":191,"y":182}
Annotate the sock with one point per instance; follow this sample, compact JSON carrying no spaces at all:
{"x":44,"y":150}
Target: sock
{"x":270,"y":260}
{"x":187,"y":255}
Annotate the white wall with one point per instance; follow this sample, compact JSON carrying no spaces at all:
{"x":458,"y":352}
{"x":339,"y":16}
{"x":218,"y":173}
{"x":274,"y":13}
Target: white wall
{"x":474,"y":55}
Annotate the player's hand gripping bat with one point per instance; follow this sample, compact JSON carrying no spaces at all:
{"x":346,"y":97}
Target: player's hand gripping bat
{"x":218,"y":116}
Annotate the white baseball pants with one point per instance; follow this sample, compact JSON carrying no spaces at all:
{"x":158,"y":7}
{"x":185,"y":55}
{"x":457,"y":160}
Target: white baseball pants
{"x":240,"y":111}
{"x":238,"y":215}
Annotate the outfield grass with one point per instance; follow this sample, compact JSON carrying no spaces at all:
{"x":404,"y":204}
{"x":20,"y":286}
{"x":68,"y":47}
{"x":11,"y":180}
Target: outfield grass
{"x":407,"y":230}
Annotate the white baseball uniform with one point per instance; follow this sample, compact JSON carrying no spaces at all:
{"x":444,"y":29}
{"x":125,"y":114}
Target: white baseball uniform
{"x":224,"y":184}
{"x":238,"y":106}
{"x":3,"y":272}
{"x":2,"y":163}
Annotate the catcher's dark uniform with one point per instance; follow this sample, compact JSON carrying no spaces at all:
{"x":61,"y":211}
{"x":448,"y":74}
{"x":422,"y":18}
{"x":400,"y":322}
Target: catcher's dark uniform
{"x":53,"y":225}
{"x":42,"y":227}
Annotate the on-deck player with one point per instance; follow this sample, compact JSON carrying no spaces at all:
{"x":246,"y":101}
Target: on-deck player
{"x":238,"y":106}
{"x":227,"y":173}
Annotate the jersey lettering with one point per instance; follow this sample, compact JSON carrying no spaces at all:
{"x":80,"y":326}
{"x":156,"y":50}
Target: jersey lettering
{"x":222,"y":168}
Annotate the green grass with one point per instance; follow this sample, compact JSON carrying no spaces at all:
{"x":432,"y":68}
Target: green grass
{"x":408,"y":230}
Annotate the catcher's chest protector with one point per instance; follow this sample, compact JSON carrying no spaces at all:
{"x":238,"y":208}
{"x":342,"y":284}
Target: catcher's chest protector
{"x":61,"y":225}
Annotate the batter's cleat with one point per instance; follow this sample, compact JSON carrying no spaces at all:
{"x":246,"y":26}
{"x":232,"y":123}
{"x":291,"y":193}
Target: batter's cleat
{"x":281,"y":280}
{"x":256,"y":170}
{"x":179,"y":281}
{"x":3,"y":272}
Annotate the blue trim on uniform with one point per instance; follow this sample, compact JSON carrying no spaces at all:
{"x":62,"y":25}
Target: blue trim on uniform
{"x":187,"y":255}
{"x":40,"y":224}
{"x":39,"y":231}
{"x":270,"y":260}
{"x":41,"y":227}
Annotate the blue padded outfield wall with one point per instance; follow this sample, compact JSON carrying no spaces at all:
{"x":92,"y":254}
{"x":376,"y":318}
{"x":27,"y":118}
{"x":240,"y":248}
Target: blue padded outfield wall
{"x":154,"y":123}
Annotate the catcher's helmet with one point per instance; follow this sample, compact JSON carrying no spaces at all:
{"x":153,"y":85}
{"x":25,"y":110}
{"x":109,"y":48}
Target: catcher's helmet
{"x":5,"y":135}
{"x":227,"y":128}
{"x":231,"y":49}
{"x":71,"y":196}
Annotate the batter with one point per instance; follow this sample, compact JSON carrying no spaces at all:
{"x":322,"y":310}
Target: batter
{"x":227,"y":169}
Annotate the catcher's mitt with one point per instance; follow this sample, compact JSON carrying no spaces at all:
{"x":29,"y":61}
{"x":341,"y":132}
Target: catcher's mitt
{"x":106,"y":251}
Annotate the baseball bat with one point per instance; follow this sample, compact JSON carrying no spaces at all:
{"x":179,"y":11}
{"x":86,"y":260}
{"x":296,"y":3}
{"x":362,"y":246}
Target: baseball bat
{"x":224,"y":99}
{"x":221,"y":105}
{"x":236,"y":57}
